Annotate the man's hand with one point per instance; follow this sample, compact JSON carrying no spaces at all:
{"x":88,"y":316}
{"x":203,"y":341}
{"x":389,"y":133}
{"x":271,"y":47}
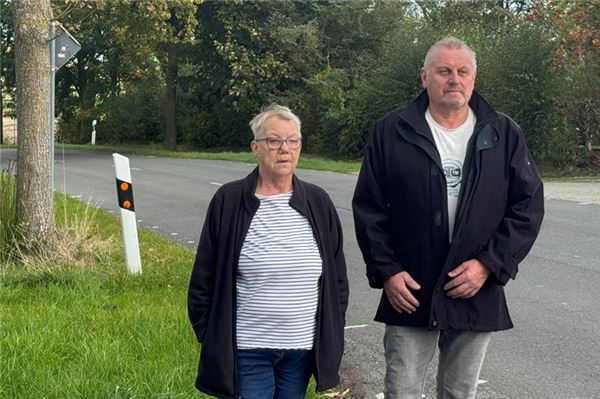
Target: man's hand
{"x":467,"y":279}
{"x":398,"y":292}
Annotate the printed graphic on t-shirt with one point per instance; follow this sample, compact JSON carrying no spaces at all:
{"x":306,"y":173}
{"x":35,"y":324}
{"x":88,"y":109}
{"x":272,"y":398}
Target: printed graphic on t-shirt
{"x":453,"y":173}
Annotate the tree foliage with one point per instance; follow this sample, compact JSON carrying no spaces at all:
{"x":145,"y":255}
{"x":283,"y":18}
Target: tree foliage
{"x":192,"y":73}
{"x":7,"y":60}
{"x":575,"y":26}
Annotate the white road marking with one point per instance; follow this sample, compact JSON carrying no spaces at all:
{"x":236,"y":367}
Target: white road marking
{"x":356,"y":326}
{"x":135,"y":169}
{"x":215,"y":183}
{"x":174,"y":234}
{"x":479,"y":382}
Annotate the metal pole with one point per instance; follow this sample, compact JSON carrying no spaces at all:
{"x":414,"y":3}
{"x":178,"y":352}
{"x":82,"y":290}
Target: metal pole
{"x":1,"y":113}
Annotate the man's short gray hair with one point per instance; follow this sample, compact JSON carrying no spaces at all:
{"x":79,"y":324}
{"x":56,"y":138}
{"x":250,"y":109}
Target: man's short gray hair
{"x":257,"y":124}
{"x":449,"y":42}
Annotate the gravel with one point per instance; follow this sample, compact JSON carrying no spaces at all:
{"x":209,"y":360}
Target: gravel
{"x":582,"y":191}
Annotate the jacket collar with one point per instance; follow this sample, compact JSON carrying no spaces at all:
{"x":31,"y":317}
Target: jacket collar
{"x":251,"y":202}
{"x":414,"y":113}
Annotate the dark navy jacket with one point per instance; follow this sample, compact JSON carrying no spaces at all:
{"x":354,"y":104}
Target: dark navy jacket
{"x":212,"y":290}
{"x":401,"y":215}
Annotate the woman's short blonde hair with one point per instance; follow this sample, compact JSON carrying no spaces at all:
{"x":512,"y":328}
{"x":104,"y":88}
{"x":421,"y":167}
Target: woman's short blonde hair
{"x":258,"y":122}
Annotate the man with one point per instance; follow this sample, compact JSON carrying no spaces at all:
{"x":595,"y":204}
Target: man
{"x":447,"y":203}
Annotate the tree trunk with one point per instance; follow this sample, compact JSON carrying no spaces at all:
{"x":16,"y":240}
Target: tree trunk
{"x":32,"y":64}
{"x":171,"y":97}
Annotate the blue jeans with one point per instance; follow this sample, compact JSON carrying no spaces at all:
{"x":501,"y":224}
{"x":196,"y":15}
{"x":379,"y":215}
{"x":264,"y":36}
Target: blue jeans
{"x":274,"y":373}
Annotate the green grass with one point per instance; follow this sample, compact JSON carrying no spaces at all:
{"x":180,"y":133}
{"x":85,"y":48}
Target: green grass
{"x":8,"y":214}
{"x":306,"y":161}
{"x":553,"y":173}
{"x":87,"y":329}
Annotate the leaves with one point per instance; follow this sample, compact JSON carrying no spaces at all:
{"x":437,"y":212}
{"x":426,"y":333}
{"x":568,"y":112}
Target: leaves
{"x":339,"y":65}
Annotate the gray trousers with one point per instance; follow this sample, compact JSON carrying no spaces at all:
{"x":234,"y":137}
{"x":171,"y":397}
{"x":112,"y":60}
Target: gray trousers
{"x":409,"y":350}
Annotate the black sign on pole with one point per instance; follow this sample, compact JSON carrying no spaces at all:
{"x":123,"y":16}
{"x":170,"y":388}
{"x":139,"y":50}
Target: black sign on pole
{"x":65,"y":47}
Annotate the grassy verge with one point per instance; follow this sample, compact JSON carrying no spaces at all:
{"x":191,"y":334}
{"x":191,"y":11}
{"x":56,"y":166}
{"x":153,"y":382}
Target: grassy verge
{"x":84,"y":328}
{"x":8,"y":215}
{"x":552,"y":173}
{"x":307,"y":161}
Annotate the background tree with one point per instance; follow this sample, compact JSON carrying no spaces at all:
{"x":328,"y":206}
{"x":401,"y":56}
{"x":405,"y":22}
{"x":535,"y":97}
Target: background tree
{"x":127,"y":73}
{"x":576,"y":28}
{"x":94,"y":75}
{"x":239,"y":68}
{"x":34,"y":188}
{"x":159,"y":31}
{"x":192,"y":73}
{"x":181,"y":26}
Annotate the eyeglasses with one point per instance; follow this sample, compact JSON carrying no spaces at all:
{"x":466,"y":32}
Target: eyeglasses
{"x":275,"y":143}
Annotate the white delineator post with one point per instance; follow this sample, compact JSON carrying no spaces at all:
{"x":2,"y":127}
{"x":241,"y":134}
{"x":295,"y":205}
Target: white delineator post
{"x":93,"y":142}
{"x":128,"y":222}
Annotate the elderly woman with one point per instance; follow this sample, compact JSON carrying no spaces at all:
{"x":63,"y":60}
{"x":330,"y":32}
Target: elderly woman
{"x":268,"y":292}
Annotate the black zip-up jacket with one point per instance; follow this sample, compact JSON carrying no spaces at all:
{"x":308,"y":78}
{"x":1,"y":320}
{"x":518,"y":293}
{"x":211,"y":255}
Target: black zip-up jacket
{"x":212,"y":290}
{"x":401,"y":215}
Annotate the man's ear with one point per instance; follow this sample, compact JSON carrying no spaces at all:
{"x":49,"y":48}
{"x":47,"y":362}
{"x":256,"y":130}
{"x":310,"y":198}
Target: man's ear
{"x":423,"y":78}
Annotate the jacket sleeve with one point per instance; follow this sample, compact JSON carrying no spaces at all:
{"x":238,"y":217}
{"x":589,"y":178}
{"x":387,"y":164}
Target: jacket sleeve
{"x":521,"y":224}
{"x":200,"y":291}
{"x":340,"y":261}
{"x":372,"y":215}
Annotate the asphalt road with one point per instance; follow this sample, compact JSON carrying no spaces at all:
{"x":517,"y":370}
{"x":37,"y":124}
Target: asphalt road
{"x":552,"y":353}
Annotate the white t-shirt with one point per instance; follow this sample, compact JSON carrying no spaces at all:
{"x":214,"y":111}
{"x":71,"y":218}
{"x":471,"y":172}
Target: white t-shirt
{"x":452,"y":146}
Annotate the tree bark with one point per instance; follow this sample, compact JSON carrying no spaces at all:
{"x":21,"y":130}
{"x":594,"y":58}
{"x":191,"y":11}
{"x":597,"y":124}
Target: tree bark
{"x":32,"y":64}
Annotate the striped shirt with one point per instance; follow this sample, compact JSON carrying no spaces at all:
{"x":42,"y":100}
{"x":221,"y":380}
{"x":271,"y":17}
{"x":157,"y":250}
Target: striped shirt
{"x":278,"y":279}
